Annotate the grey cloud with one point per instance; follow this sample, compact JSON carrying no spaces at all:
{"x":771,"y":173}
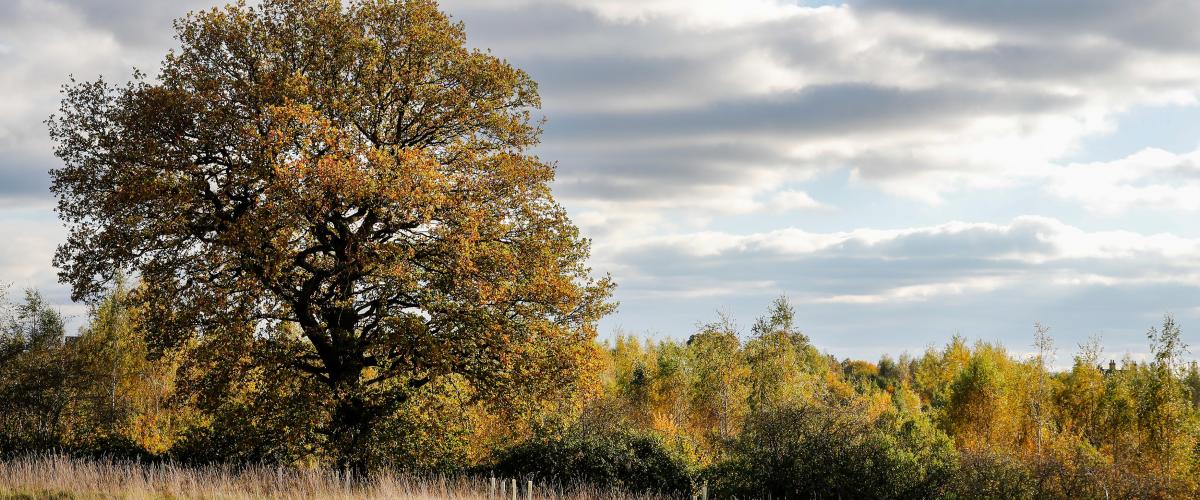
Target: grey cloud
{"x":1029,"y":62}
{"x":860,"y":267}
{"x":654,"y":173}
{"x":824,"y":275}
{"x":522,"y":31}
{"x":1022,"y":237}
{"x":1015,"y":13}
{"x":852,"y":267}
{"x":816,"y":111}
{"x":614,"y":74}
{"x":36,"y":68}
{"x":890,"y":164}
{"x":528,"y":32}
{"x":24,"y":177}
{"x":137,"y":23}
{"x":721,"y":143}
{"x":1152,"y":24}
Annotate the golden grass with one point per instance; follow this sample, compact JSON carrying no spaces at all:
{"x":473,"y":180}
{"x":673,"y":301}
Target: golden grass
{"x":63,"y":477}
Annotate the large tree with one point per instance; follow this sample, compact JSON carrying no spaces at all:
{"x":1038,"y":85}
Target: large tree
{"x":350,"y":169}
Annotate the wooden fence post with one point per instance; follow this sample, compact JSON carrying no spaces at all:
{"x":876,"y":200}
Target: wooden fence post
{"x":514,"y":489}
{"x":529,"y":490}
{"x":492,"y":488}
{"x":503,"y":483}
{"x":704,"y":491}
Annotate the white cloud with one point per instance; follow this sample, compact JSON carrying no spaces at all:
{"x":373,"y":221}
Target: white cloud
{"x":691,"y":14}
{"x":1149,"y":178}
{"x":788,"y":200}
{"x":708,"y":14}
{"x":920,"y":293}
{"x":29,"y":243}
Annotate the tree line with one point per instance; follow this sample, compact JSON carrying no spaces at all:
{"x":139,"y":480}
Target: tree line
{"x":748,"y":413}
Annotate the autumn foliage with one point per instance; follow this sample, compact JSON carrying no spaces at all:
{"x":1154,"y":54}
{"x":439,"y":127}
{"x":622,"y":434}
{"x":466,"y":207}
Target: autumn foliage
{"x":962,"y":421}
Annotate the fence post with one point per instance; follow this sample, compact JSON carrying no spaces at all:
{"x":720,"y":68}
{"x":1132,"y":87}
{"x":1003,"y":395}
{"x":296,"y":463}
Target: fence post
{"x":492,"y":488}
{"x":503,"y":483}
{"x":529,"y":490}
{"x":704,"y":491}
{"x":514,"y":489}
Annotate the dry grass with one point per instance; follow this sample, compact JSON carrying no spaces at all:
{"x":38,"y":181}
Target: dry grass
{"x":58,"y":476}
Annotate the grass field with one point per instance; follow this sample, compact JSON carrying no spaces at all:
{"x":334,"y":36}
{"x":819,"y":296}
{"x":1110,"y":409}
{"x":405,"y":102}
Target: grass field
{"x":62,"y":477}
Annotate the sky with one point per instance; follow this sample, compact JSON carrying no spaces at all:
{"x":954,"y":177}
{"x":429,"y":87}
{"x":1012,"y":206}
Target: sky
{"x":903,"y":171}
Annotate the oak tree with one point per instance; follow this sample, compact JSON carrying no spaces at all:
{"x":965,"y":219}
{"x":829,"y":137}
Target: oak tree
{"x":351,"y":169}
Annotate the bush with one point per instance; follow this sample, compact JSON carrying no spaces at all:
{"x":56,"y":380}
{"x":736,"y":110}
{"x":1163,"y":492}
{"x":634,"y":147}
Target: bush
{"x":239,"y":434}
{"x":996,"y":475}
{"x":114,"y":446}
{"x":835,"y":451}
{"x":1067,"y":470}
{"x":612,"y":458}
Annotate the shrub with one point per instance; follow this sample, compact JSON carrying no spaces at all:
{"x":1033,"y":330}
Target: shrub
{"x":835,"y":451}
{"x":617,"y":458}
{"x":987,"y":474}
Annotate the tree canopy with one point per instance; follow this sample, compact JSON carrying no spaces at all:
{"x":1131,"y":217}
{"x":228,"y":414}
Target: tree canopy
{"x":347,"y":182}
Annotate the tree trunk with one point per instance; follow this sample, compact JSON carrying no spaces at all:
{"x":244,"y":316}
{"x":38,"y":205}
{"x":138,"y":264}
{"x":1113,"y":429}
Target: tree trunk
{"x":352,"y":418}
{"x":349,"y":430}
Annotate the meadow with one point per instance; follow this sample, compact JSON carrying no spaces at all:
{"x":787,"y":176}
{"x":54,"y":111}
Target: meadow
{"x":64,"y":477}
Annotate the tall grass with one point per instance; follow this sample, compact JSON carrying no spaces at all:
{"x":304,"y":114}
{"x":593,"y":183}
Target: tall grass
{"x":61,"y":476}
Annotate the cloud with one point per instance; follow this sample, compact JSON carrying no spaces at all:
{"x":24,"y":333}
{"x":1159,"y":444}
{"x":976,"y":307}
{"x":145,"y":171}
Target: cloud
{"x":864,"y":292}
{"x":788,"y":200}
{"x":43,"y":43}
{"x":1151,"y":178}
{"x":23,"y":178}
{"x":904,"y":265}
{"x":915,"y":99}
{"x":29,"y":246}
{"x":919,"y":100}
{"x":1153,"y":24}
{"x":137,"y":25}
{"x":682,"y":13}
